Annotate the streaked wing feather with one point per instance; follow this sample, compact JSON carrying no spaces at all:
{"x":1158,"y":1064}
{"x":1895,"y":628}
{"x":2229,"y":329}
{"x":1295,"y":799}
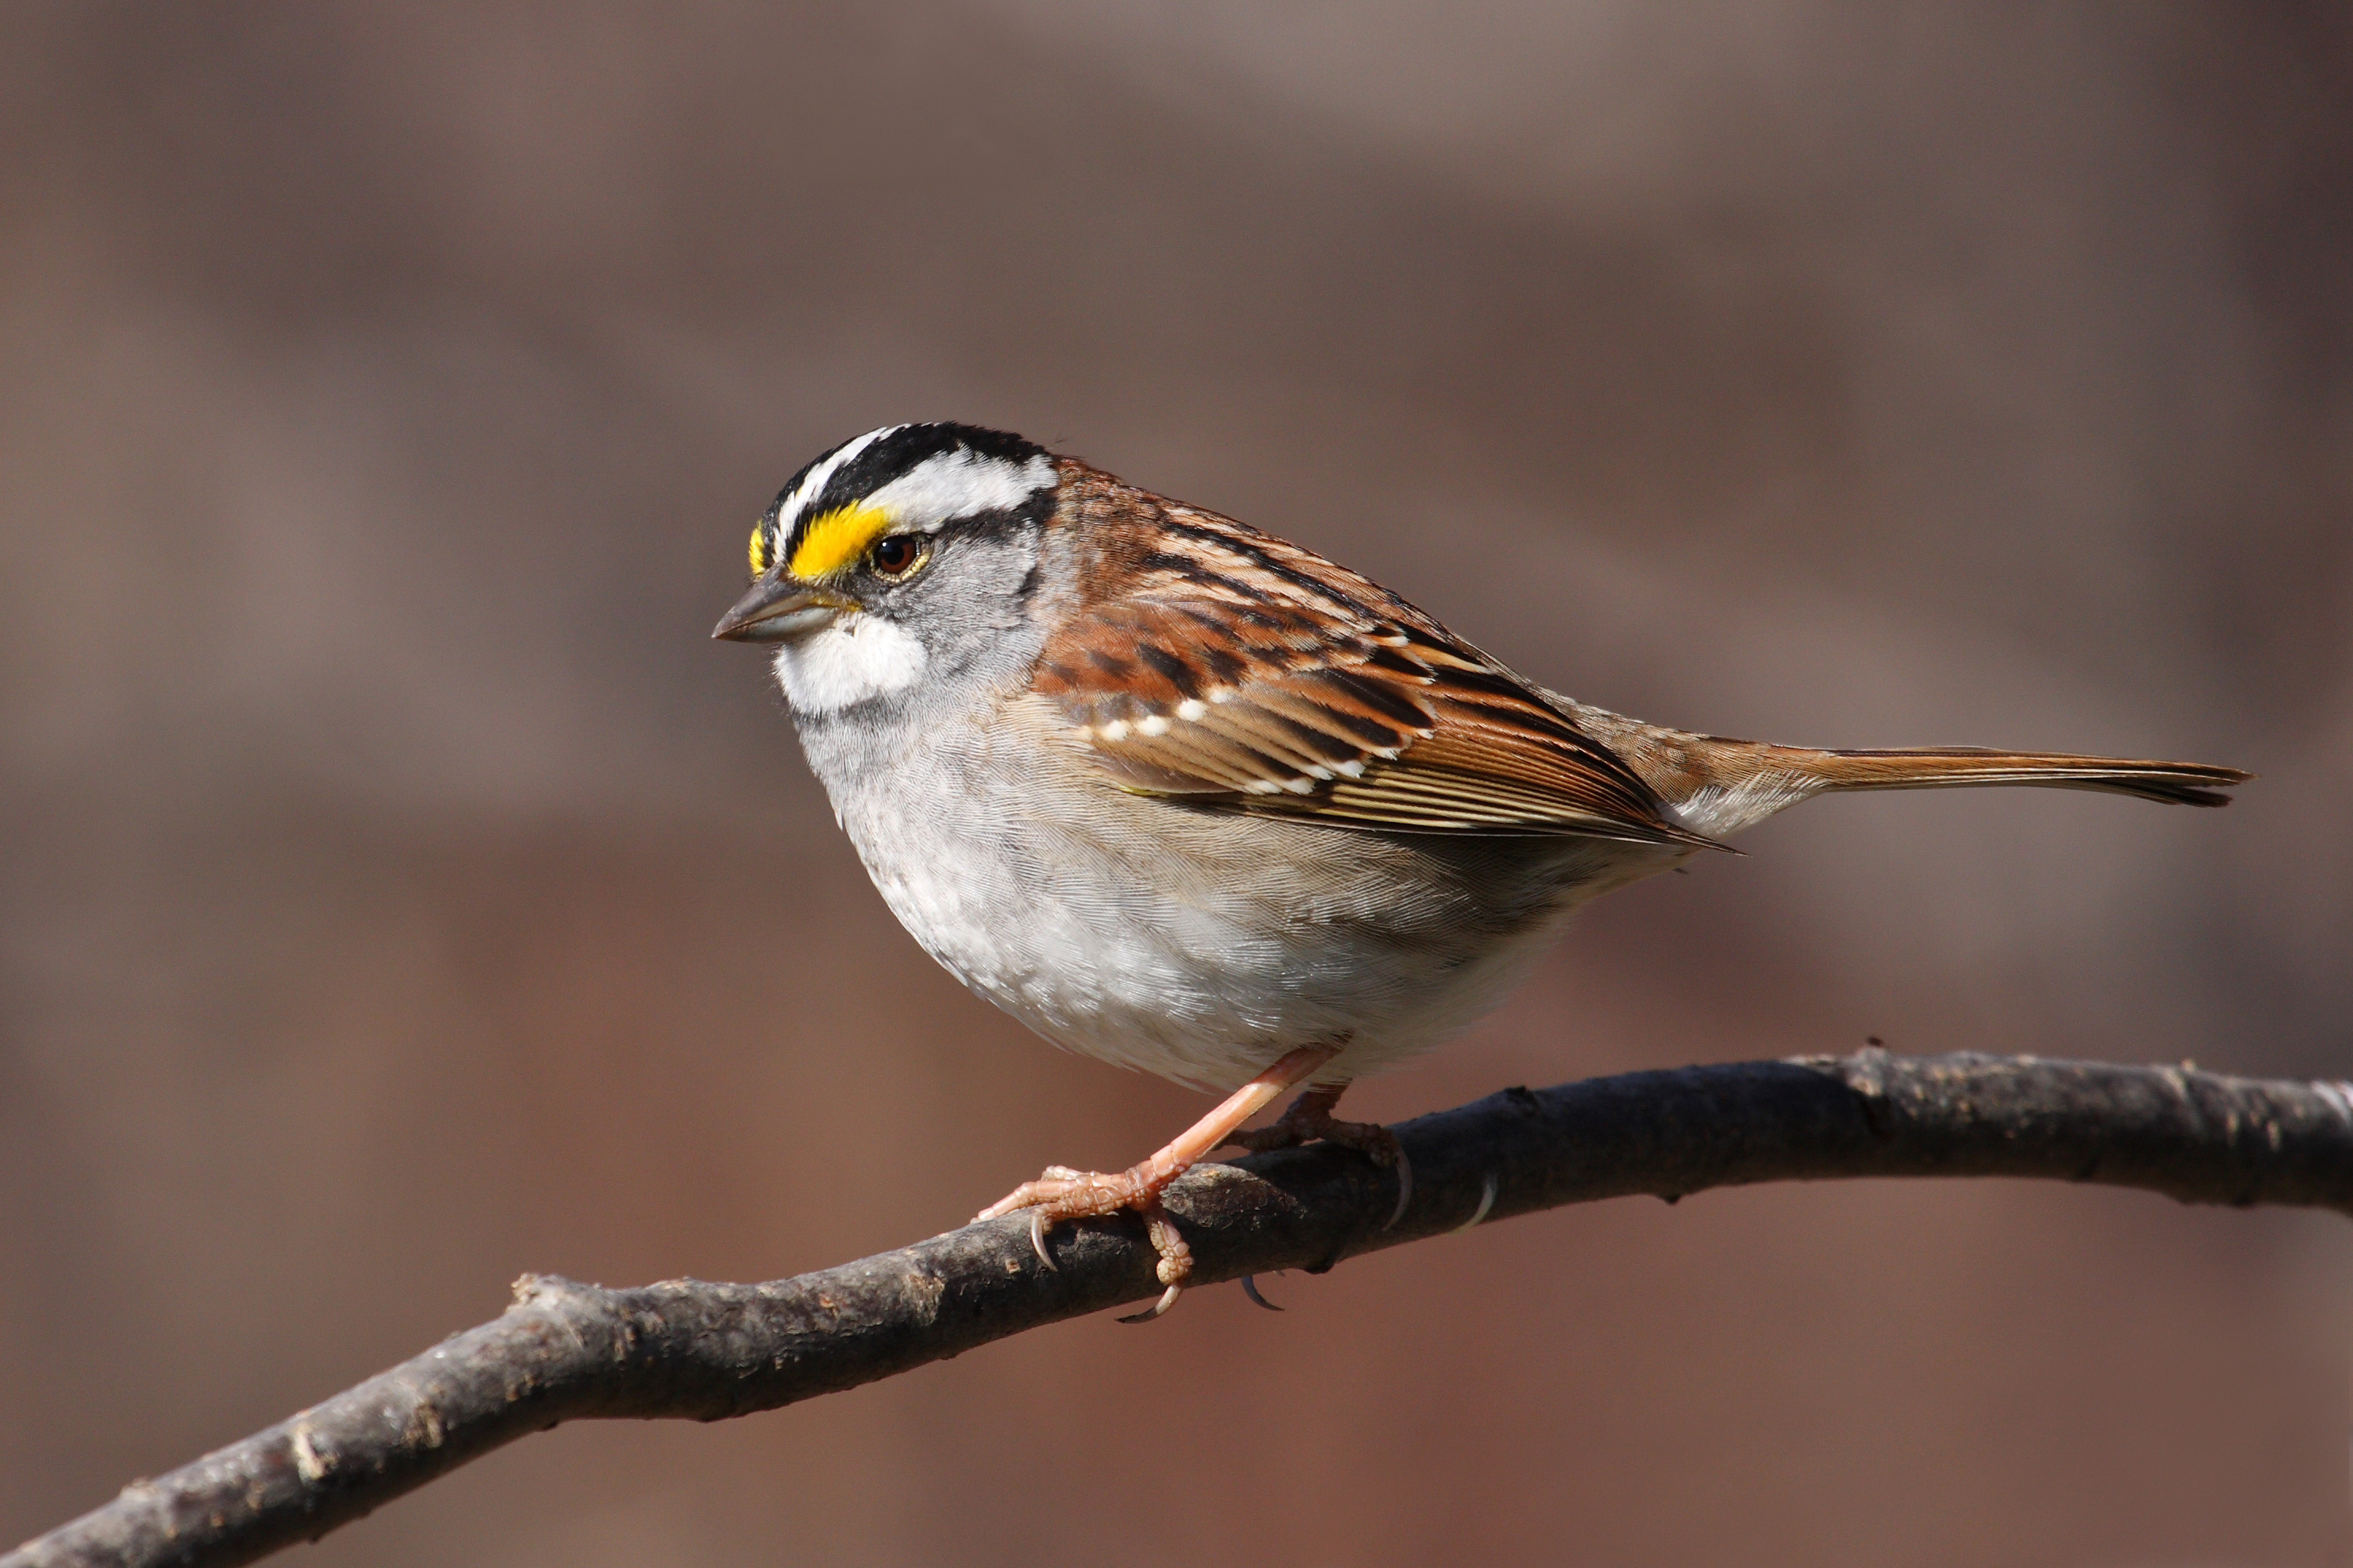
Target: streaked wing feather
{"x":1244,"y":672}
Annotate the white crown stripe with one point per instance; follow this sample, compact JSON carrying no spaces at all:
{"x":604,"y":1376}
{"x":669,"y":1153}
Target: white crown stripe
{"x":813,"y":485}
{"x":960,"y":483}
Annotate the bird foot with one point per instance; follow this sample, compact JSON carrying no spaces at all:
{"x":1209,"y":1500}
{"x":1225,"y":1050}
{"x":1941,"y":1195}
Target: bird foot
{"x":1060,"y":1192}
{"x":1309,"y":1118}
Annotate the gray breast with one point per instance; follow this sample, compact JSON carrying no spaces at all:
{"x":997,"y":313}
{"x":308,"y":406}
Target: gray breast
{"x":1193,"y":942}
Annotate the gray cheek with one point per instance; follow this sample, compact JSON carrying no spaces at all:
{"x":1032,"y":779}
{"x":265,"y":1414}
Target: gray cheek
{"x":970,"y":610}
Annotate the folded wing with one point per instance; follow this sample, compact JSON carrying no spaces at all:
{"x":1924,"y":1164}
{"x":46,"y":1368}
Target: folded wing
{"x":1246,"y":674}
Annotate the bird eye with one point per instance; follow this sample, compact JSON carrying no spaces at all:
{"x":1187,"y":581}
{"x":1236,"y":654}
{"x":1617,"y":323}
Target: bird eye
{"x":897,"y":556}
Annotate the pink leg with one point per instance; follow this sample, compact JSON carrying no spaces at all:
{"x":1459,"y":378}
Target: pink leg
{"x":1310,"y":1118}
{"x":1062,"y":1193}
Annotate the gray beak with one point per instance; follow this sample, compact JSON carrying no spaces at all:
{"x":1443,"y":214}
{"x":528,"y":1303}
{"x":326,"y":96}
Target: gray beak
{"x":776,"y":608}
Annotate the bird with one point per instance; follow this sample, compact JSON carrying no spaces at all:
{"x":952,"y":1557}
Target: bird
{"x":1184,"y":796}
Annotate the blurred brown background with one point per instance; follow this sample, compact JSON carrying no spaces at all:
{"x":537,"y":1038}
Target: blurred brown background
{"x":400,"y":893}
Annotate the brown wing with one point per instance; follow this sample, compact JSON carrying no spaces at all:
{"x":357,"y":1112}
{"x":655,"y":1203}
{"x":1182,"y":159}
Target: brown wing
{"x":1235,"y":669}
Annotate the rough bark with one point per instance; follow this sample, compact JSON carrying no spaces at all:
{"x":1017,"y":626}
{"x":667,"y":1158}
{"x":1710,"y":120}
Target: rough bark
{"x":567,"y":1351}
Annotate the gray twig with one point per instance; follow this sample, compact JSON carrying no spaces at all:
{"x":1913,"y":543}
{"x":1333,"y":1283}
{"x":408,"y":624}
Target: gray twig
{"x":567,"y":1351}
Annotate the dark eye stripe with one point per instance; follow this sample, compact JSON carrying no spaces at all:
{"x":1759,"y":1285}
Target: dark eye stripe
{"x":887,"y":454}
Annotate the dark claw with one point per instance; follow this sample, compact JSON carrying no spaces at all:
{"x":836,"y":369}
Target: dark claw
{"x":1167,"y":1299}
{"x":1405,"y":1186}
{"x":1250,"y":1288}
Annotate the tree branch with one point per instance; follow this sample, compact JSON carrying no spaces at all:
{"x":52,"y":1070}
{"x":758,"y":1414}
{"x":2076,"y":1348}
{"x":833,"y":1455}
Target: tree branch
{"x":567,"y":1351}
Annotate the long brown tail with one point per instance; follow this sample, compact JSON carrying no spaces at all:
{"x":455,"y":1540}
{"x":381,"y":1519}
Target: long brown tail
{"x":1718,"y":786}
{"x":1946,"y":767}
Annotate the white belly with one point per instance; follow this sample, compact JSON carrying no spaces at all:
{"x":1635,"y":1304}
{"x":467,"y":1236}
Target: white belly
{"x":1202,"y":945}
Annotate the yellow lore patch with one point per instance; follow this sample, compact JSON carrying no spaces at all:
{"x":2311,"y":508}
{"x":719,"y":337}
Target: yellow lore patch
{"x":759,"y":549}
{"x":838,"y":539}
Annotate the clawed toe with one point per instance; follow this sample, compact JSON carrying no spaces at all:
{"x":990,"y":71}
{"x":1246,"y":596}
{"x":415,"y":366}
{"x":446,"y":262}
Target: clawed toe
{"x":1281,"y":1134}
{"x":1405,"y":1180}
{"x":1061,"y":1193}
{"x":1038,"y":1239}
{"x":1309,"y":1118}
{"x":1167,"y":1299}
{"x":1176,"y":1264}
{"x":1378,"y":1144}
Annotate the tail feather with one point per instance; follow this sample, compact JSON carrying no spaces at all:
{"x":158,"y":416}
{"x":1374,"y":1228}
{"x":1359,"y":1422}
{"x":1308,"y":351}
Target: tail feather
{"x":1717,"y":785}
{"x":1950,"y":767}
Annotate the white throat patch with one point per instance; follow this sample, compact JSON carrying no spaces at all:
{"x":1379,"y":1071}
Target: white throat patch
{"x":857,"y":658}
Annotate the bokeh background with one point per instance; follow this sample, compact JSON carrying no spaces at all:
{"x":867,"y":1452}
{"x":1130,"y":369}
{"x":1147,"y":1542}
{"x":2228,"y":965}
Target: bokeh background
{"x":399,"y":893}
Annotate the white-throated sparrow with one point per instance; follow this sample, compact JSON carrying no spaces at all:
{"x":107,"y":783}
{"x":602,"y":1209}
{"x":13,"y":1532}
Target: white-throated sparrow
{"x":1184,"y":797}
